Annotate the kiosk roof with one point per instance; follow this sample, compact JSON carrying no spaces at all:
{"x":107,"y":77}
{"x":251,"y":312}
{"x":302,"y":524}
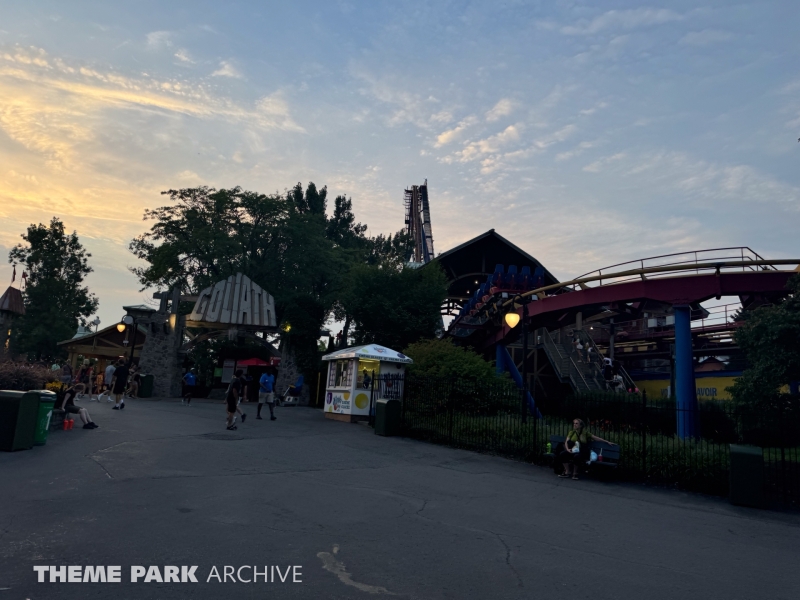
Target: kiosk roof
{"x":372,"y":351}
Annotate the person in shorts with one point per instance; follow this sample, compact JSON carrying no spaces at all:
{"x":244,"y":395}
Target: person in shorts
{"x":266,"y":393}
{"x":232,"y":398}
{"x":189,"y":383}
{"x":118,"y":384}
{"x":108,"y":377}
{"x":67,"y":404}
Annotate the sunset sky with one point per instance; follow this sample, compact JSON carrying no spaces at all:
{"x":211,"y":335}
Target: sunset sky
{"x":587,"y":133}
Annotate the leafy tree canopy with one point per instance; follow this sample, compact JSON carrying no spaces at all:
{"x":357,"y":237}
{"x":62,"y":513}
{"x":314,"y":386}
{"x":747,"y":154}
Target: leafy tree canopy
{"x":442,"y":358}
{"x":770,"y":340}
{"x":56,"y":301}
{"x":394,"y":307}
{"x":285,"y":242}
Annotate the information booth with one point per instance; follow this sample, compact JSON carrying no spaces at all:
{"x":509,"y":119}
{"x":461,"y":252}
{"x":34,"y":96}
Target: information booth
{"x":351,"y":372}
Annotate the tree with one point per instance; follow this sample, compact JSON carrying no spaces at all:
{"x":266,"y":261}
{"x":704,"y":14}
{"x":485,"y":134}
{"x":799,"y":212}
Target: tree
{"x":286,"y":243}
{"x":56,"y":301}
{"x":442,"y":358}
{"x":770,"y":340}
{"x":395,"y":307}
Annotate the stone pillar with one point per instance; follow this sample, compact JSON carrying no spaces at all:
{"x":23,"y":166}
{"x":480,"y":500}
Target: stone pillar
{"x":288,"y":374}
{"x":159,"y":354}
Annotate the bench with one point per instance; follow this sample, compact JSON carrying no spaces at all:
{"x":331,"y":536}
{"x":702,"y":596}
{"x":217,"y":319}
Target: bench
{"x":607,"y":455}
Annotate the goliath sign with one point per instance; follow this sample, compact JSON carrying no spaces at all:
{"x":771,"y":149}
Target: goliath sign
{"x":235,"y":301}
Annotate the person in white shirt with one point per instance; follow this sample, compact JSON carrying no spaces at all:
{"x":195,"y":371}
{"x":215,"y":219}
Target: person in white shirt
{"x":108,"y":377}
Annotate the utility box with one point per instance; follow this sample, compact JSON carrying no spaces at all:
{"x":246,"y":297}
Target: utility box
{"x":146,"y":386}
{"x":18,"y":413}
{"x":387,"y":417}
{"x":747,"y":476}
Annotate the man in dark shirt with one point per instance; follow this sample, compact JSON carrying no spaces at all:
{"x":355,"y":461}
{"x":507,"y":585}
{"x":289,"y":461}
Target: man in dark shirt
{"x":119,"y":383}
{"x":236,"y":389}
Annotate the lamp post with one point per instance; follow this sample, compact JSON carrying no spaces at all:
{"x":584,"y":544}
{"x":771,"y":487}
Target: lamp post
{"x":128,"y":321}
{"x":512,"y":319}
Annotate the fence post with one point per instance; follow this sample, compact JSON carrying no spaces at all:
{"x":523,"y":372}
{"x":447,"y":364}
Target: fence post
{"x":450,"y":412}
{"x":644,"y":432}
{"x":372,"y":401}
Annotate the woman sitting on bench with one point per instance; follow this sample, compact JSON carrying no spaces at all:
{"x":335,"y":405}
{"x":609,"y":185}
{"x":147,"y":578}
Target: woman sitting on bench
{"x":569,"y":458}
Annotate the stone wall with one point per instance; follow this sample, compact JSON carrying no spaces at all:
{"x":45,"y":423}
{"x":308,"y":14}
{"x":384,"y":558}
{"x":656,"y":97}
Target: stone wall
{"x":288,"y":374}
{"x":159,"y":355}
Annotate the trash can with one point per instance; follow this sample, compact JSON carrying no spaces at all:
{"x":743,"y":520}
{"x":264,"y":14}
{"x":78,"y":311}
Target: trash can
{"x":146,"y":386}
{"x":387,"y":417}
{"x":747,"y":476}
{"x":18,"y":411}
{"x":47,"y":401}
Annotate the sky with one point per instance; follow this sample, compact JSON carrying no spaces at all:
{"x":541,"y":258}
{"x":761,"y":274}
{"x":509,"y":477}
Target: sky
{"x":586,"y":133}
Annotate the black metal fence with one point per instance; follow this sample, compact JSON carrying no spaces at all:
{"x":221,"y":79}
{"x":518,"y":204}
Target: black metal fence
{"x":486,"y":417}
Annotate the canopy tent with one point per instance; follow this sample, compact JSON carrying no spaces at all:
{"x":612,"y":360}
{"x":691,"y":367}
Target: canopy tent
{"x":369,"y":351}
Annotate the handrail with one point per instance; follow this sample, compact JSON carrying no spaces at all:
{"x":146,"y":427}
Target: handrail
{"x":548,"y":343}
{"x":629,"y":382}
{"x":641,"y":261}
{"x":540,"y":292}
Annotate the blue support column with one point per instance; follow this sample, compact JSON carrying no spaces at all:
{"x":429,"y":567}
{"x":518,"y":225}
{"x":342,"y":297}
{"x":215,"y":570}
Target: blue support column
{"x":504,"y":358}
{"x":500,"y":359}
{"x":684,"y":374}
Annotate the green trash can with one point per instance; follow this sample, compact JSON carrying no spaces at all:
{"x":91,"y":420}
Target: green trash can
{"x":47,"y":401}
{"x":18,"y":411}
{"x":387,"y":417}
{"x":747,"y":476}
{"x":146,"y":386}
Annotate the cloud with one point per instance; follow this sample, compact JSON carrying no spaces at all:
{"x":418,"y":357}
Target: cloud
{"x":475,"y":150}
{"x":622,"y":20}
{"x":183,"y":56}
{"x":502,"y":109}
{"x":452,"y":135}
{"x":705,"y":37}
{"x":226,"y":69}
{"x":425,"y":112}
{"x":599,"y":165}
{"x":577,"y":151}
{"x":159,"y":39}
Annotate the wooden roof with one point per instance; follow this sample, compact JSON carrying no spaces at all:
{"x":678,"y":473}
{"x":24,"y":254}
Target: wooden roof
{"x":11,"y":301}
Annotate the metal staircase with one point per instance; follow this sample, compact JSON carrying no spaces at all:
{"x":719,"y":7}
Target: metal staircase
{"x":582,"y":376}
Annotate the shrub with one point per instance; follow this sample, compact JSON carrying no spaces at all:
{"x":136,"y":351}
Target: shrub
{"x":24,"y":376}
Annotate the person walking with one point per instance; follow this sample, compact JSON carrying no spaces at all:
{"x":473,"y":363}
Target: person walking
{"x":232,"y":398}
{"x":189,"y":382}
{"x":136,"y":379}
{"x":266,"y":393}
{"x":68,"y":405}
{"x":118,"y":385}
{"x":66,"y":374}
{"x":108,"y":377}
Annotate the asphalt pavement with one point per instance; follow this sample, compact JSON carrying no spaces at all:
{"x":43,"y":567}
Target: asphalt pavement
{"x":356,"y":516}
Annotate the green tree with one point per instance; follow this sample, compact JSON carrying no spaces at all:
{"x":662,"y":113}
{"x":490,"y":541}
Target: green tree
{"x":394,"y":307}
{"x":770,"y":340}
{"x":442,"y":358}
{"x":286,"y":243}
{"x":56,"y":301}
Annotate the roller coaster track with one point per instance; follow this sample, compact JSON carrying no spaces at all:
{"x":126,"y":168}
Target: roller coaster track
{"x":674,"y":284}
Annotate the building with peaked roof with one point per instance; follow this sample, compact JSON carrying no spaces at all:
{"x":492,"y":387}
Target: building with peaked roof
{"x":469,"y":264}
{"x":11,"y":307}
{"x":106,"y":345}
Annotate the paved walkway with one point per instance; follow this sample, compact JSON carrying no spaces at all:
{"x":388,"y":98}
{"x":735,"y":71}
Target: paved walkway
{"x":365,"y":516}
